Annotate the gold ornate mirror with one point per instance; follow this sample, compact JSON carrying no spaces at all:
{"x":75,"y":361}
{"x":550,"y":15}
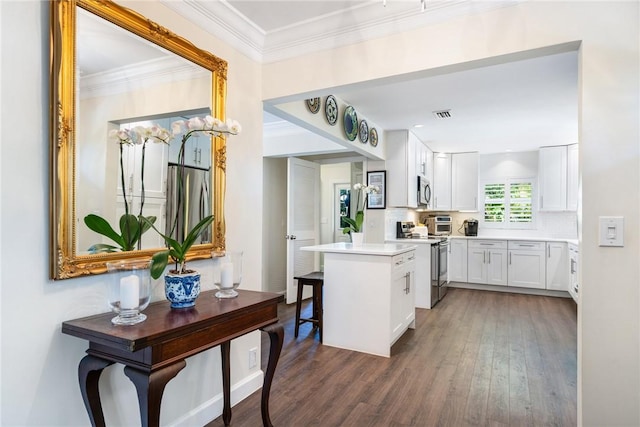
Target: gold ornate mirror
{"x":112,"y":68}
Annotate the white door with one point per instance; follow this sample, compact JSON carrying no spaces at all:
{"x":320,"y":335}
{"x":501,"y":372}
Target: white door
{"x":303,"y":212}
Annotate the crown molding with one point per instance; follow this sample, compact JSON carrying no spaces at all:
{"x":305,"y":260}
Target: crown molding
{"x":139,"y":76}
{"x":223,"y":21}
{"x":340,"y":28}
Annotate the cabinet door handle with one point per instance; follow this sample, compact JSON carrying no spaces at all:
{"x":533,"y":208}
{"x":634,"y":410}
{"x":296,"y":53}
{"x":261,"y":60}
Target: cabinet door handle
{"x":509,"y":258}
{"x":407,"y":283}
{"x":489,"y":257}
{"x":484,"y":257}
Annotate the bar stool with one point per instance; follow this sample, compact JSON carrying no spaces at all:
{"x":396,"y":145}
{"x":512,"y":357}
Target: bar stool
{"x":315,"y":279}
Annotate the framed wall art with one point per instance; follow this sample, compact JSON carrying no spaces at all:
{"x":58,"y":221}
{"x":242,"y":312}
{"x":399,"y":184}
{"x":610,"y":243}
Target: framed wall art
{"x":379,"y":179}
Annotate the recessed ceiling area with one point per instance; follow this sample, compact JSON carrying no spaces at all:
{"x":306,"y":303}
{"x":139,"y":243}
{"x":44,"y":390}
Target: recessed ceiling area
{"x":512,"y":106}
{"x":515,"y":106}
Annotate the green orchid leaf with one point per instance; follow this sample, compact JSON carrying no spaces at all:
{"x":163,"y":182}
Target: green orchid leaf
{"x":159,"y":262}
{"x":99,"y":248}
{"x":359,"y":220}
{"x":195,"y":232}
{"x":130,"y":230}
{"x":102,"y":227}
{"x":146,"y":225}
{"x":352,"y":226}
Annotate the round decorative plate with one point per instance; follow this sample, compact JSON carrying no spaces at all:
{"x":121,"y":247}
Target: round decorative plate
{"x":350,"y":123}
{"x":363,"y":131}
{"x":373,"y":137}
{"x":313,"y":104}
{"x":331,"y":110}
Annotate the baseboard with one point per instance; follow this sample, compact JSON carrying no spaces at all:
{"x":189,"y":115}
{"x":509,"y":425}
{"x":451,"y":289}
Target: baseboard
{"x":510,"y":289}
{"x":212,"y":409}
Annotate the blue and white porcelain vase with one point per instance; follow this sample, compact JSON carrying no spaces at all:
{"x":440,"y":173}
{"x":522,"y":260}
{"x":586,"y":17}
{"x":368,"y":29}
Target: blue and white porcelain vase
{"x":182,"y":289}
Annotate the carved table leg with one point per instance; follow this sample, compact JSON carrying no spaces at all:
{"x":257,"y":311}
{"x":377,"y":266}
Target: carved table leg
{"x":276,"y":337}
{"x":89,"y":371}
{"x":225,"y":350}
{"x":150,"y":386}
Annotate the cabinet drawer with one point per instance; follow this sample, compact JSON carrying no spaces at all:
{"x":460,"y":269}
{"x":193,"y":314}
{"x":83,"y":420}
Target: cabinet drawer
{"x":526,"y":245}
{"x":488,"y":244}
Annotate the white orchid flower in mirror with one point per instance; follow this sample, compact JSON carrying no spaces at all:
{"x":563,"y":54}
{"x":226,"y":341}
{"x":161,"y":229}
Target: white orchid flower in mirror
{"x":131,"y":226}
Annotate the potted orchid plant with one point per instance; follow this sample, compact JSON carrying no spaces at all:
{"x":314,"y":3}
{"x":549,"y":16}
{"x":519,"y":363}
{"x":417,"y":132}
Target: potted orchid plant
{"x":354,"y":227}
{"x":131,"y":226}
{"x":182,"y":285}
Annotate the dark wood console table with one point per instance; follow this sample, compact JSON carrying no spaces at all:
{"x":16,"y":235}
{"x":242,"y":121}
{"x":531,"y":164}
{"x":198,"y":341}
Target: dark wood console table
{"x":154,"y":351}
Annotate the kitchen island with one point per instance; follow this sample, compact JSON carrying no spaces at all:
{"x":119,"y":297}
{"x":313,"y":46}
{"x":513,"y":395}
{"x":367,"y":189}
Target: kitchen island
{"x":368,"y":295}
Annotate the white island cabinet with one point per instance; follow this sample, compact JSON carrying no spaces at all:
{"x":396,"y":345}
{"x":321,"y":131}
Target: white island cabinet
{"x":368,"y":295}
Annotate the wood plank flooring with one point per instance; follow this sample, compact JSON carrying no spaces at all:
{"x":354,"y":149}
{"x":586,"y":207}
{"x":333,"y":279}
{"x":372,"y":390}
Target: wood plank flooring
{"x":478,"y":358}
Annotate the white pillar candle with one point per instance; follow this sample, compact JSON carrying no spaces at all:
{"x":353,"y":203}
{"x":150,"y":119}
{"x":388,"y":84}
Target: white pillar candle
{"x":226,"y":275}
{"x":129,"y":292}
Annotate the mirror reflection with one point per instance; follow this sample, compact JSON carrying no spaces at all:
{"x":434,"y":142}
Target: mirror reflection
{"x":126,"y":82}
{"x":113,"y":69}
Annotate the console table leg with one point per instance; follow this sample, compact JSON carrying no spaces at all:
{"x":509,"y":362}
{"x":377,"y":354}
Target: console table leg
{"x":276,"y":337}
{"x":150,"y":386}
{"x":225,"y":350}
{"x":89,"y":371}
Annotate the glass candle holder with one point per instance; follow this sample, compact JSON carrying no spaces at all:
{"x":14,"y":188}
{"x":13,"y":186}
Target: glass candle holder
{"x":129,"y":290}
{"x":227,"y":273}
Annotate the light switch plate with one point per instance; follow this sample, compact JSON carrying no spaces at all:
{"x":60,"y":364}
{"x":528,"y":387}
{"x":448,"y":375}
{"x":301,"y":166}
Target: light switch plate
{"x":611,"y":230}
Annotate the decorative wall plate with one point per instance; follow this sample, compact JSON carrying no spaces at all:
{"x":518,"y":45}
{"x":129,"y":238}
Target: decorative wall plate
{"x":350,"y":123}
{"x":373,"y":137}
{"x":331,"y":110}
{"x":313,"y":104}
{"x":363,"y":131}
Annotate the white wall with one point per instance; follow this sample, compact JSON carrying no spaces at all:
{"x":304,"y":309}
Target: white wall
{"x":609,"y":326}
{"x":39,"y":364}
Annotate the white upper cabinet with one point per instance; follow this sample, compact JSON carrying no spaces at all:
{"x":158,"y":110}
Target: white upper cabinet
{"x":441,"y":181}
{"x":552,"y":178}
{"x":455,"y":181}
{"x":464,"y":182}
{"x":429,"y":160}
{"x":572,"y":177}
{"x":403,"y":166}
{"x":155,"y":170}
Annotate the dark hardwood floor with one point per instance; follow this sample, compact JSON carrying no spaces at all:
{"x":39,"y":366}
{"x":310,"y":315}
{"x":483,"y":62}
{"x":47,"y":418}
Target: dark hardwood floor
{"x":478,"y":358}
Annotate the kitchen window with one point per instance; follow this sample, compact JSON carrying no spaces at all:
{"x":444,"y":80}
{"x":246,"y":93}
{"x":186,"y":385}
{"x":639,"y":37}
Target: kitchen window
{"x":508,"y":203}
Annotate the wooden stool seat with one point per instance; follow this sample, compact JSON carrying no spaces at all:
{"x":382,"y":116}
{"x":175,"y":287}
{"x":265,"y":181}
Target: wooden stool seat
{"x":316,"y":280}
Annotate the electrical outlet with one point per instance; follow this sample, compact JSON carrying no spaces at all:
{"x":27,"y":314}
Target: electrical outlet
{"x":253,"y":357}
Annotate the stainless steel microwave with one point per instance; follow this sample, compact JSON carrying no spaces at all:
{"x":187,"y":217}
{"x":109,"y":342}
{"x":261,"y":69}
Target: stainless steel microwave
{"x":439,"y":225}
{"x":424,"y":192}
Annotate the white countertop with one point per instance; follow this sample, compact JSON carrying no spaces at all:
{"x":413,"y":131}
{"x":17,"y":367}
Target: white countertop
{"x":530,"y":239}
{"x":384,"y":249}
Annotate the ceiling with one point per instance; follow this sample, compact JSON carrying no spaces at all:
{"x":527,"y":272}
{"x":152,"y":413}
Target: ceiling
{"x":514,"y":106}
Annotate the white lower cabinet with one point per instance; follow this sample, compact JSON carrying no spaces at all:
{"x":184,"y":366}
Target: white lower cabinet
{"x":527,"y":264}
{"x":402,"y":294}
{"x":487,"y":262}
{"x":557,"y":266}
{"x":457,"y":260}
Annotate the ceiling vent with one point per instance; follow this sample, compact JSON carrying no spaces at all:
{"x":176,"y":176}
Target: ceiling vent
{"x":442,"y":114}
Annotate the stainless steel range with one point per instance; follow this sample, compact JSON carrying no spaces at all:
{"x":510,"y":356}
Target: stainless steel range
{"x":439,"y":255}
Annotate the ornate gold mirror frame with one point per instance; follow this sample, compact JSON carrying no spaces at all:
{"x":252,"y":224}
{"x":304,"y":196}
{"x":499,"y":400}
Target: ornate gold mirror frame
{"x":65,"y":261}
